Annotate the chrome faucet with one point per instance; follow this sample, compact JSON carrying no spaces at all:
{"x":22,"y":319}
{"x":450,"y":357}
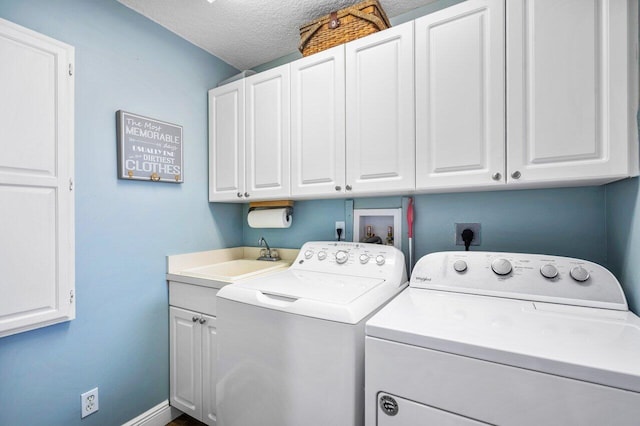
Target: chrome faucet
{"x":268,"y":255}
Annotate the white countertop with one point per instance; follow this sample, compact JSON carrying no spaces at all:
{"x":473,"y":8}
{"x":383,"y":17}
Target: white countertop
{"x":217,"y":268}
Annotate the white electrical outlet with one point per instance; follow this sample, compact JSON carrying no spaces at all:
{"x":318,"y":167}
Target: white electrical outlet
{"x":475,"y":227}
{"x":339,"y":224}
{"x":89,"y":401}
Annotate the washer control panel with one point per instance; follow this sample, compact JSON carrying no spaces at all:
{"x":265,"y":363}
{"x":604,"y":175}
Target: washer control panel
{"x":535,"y":277}
{"x":361,"y":259}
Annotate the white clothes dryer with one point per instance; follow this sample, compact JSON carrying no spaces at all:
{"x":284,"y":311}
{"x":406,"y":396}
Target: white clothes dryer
{"x":291,"y":344}
{"x":504,"y":339}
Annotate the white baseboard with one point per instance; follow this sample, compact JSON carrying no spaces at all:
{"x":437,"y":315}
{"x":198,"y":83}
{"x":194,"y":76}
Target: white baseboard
{"x":159,"y":415}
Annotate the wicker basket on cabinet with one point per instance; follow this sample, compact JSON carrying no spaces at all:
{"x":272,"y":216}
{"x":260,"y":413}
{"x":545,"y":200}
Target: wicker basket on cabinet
{"x":339,"y":27}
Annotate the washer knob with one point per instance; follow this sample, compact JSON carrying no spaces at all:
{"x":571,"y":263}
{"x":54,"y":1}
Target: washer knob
{"x":308,"y":254}
{"x":322,"y":255}
{"x":460,"y":266}
{"x":579,"y":274}
{"x":364,"y":258}
{"x":549,"y":271}
{"x":342,"y":256}
{"x":501,"y":266}
{"x":380,"y":259}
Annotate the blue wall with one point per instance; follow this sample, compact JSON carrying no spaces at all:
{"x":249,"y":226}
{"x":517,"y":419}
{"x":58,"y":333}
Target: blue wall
{"x":623,"y":236}
{"x":124,"y":230}
{"x":565,"y":222}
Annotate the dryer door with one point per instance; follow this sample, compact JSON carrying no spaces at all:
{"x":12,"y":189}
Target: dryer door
{"x":396,"y":411}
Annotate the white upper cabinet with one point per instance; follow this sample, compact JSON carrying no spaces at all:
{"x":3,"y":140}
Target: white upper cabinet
{"x":37,"y":245}
{"x":267,"y":130}
{"x":380,"y":112}
{"x":249,"y":138}
{"x":571,"y":90}
{"x":226,"y":142}
{"x":318,"y":124}
{"x":460,"y":103}
{"x":484,"y":94}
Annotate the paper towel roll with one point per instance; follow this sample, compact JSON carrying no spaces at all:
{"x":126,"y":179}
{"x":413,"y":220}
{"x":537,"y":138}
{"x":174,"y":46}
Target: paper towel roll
{"x":269,"y":218}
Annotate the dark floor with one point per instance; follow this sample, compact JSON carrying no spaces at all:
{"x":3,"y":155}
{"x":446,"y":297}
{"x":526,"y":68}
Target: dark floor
{"x":185,"y":420}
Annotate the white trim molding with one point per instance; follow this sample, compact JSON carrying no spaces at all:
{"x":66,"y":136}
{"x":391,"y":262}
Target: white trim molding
{"x":159,"y":415}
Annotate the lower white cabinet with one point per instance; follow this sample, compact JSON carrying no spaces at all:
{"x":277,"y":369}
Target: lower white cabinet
{"x":193,"y":347}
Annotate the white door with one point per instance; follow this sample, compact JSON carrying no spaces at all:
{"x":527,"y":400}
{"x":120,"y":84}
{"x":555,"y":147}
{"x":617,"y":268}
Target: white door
{"x":460,"y":101}
{"x":567,"y":94}
{"x":36,"y":188}
{"x":267,"y":134}
{"x":380,"y":112}
{"x":318,"y":124}
{"x":209,"y":368}
{"x":185,"y":343}
{"x":226,"y":142}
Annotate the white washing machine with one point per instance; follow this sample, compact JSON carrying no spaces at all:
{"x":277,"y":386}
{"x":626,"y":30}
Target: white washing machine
{"x":504,"y":339}
{"x":291,"y":344}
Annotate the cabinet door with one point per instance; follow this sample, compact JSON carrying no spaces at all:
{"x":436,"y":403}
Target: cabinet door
{"x":380,"y":112}
{"x":267,"y":134}
{"x":460,"y":102}
{"x":226,"y":142}
{"x":318,"y":124}
{"x":37,"y":255}
{"x":209,"y":369}
{"x":185,"y":343}
{"x":567,"y":94}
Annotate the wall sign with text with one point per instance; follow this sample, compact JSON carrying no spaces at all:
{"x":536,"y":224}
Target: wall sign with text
{"x":148,"y":149}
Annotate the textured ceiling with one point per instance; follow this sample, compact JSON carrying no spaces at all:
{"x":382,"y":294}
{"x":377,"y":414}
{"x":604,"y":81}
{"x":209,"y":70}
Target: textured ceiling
{"x":247,"y":33}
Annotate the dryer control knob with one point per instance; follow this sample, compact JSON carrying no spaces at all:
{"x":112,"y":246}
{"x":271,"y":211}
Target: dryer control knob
{"x":308,"y":254}
{"x":460,"y":266}
{"x":549,"y":271}
{"x":322,"y":255}
{"x":501,"y":266}
{"x":364,"y":258}
{"x":342,"y":256}
{"x":579,"y":274}
{"x":380,"y":260}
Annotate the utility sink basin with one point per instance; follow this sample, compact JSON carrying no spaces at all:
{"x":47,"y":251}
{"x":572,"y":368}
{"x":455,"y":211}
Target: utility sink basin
{"x":235,"y":270}
{"x":217,"y":268}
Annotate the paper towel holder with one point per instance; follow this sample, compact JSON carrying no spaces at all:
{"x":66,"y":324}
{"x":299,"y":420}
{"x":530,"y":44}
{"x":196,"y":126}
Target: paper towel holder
{"x":275,"y":204}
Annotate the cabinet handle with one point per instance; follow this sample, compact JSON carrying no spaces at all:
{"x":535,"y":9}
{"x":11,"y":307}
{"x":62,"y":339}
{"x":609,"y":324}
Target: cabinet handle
{"x":338,"y":187}
{"x":516,"y":175}
{"x":496,"y":176}
{"x":202,"y":320}
{"x":239,"y":195}
{"x":246,"y":194}
{"x":194,"y":319}
{"x":348,"y":187}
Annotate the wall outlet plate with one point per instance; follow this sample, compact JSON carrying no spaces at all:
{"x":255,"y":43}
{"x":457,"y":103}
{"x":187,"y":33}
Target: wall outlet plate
{"x":475,"y":227}
{"x":89,"y":402}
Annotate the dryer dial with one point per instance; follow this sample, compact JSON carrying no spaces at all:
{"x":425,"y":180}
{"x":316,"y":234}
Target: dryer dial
{"x":460,"y":266}
{"x":549,"y":271}
{"x":579,"y":274}
{"x":501,"y":266}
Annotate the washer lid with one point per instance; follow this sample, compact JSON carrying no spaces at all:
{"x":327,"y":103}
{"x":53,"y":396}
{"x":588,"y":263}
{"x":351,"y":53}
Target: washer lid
{"x":332,"y":297}
{"x":594,"y":345}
